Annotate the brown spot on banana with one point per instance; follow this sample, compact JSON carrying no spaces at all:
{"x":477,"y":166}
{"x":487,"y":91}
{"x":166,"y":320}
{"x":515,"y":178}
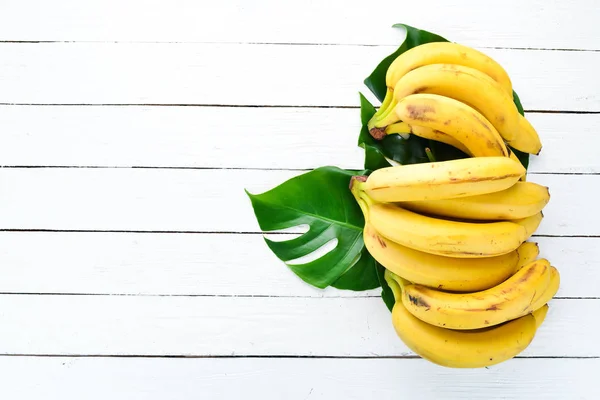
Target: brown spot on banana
{"x":421,"y":89}
{"x":381,"y":241}
{"x":482,"y":123}
{"x":418,"y":301}
{"x":419,"y":112}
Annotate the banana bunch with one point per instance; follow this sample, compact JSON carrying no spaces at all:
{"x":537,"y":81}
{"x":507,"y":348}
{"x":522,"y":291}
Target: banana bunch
{"x":453,"y":93}
{"x":469,"y":288}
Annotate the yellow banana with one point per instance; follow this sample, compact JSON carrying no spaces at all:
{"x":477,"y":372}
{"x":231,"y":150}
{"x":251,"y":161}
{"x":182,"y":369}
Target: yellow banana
{"x":527,"y":140}
{"x":439,"y":136}
{"x":540,"y":315}
{"x":530,"y":223}
{"x":511,"y":299}
{"x":441,"y":53}
{"x":550,"y":291}
{"x":441,"y":180}
{"x":521,"y":200}
{"x":469,"y":86}
{"x":446,"y":53}
{"x":427,"y":133}
{"x":444,"y":237}
{"x":453,"y":274}
{"x":528,"y":252}
{"x":455,"y":119}
{"x":462,"y":349}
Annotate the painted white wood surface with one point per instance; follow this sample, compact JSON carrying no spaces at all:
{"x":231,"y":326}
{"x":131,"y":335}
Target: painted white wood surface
{"x":197,"y":137}
{"x":243,"y":326}
{"x":207,"y":200}
{"x":208,"y":264}
{"x":254,"y":74}
{"x":294,"y":379}
{"x":511,"y":23}
{"x":179,"y":88}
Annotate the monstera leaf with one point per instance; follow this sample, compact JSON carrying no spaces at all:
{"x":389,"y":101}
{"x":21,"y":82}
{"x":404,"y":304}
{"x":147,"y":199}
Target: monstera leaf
{"x":320,"y":199}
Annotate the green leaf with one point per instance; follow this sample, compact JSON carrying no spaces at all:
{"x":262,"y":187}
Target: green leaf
{"x":523,"y":157}
{"x":386,"y":293}
{"x":414,"y":37}
{"x":362,"y":275}
{"x":321,"y":199}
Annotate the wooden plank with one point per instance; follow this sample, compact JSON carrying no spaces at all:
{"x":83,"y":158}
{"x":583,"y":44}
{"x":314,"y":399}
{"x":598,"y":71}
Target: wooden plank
{"x":204,"y":200}
{"x":293,"y":379}
{"x":228,"y":326}
{"x":511,"y":23}
{"x":253,"y":138}
{"x":207,"y":264}
{"x":150,"y":73}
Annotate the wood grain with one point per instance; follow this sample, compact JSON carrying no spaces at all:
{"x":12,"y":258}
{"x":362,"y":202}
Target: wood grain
{"x":206,"y":200}
{"x":233,"y":326}
{"x":268,"y":137}
{"x":294,"y":379}
{"x":511,"y":23}
{"x":237,"y":74}
{"x":207,"y":265}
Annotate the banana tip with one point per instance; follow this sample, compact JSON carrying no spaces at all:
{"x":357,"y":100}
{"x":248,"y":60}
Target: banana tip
{"x":377,"y":133}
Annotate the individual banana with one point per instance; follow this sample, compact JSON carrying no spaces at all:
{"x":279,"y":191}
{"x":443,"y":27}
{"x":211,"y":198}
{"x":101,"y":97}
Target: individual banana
{"x":540,"y":315}
{"x":441,"y":180}
{"x":550,"y":291}
{"x":455,"y":119}
{"x":528,"y":252}
{"x":446,"y":53}
{"x":521,"y":200}
{"x":530,"y":223}
{"x":444,"y":237}
{"x":447,"y":273}
{"x":471,"y":87}
{"x":442,"y":53}
{"x":462,"y":349}
{"x":511,"y":299}
{"x":405,"y":129}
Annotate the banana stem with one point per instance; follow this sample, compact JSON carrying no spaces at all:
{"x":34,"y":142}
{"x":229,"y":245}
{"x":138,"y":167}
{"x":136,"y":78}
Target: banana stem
{"x":430,"y":155}
{"x":389,"y":96}
{"x":356,"y":183}
{"x":396,"y":283}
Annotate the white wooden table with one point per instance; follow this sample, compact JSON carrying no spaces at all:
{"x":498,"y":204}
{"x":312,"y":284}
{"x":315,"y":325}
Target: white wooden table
{"x":131,"y":264}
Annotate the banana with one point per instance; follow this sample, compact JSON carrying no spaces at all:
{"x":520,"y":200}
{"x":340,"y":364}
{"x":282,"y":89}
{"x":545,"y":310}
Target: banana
{"x":540,"y":315}
{"x":444,"y":237}
{"x":462,"y":349}
{"x":511,"y":299}
{"x":453,"y":274}
{"x":441,"y":180}
{"x":446,"y":53}
{"x":432,"y":134}
{"x":471,"y":87}
{"x":521,"y":200}
{"x":528,"y":252}
{"x":550,"y":291}
{"x":455,"y":119}
{"x":530,"y":223}
{"x":441,"y":53}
